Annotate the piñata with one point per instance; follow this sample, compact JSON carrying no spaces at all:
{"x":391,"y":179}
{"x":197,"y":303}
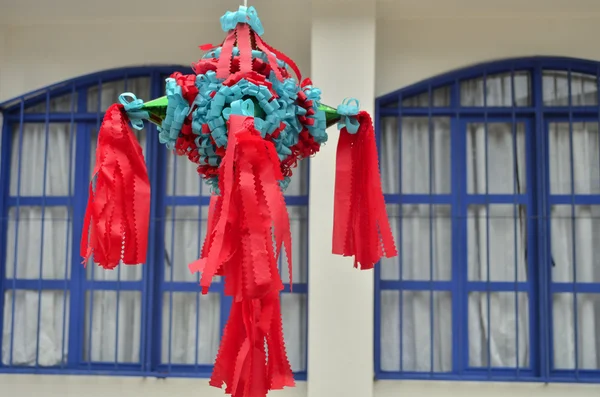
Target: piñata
{"x":246,"y":118}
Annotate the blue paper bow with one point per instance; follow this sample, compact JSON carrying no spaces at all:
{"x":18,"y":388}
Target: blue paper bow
{"x":239,"y":107}
{"x":348,"y":109}
{"x":134,"y":110}
{"x":242,"y":15}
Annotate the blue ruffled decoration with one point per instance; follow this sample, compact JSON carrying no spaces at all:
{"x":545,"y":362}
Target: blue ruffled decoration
{"x":319,"y":127}
{"x":348,"y":109}
{"x":134,"y":110}
{"x":177,"y":110}
{"x":242,"y":15}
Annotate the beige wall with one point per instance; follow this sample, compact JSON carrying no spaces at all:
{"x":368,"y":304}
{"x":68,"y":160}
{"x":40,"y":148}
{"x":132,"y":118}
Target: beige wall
{"x":407,"y":50}
{"x":415,"y":49}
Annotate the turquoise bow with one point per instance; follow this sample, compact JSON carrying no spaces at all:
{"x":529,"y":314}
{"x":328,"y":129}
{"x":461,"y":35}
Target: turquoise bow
{"x":243,"y":108}
{"x":348,"y":109}
{"x":242,"y":15}
{"x":134,"y":110}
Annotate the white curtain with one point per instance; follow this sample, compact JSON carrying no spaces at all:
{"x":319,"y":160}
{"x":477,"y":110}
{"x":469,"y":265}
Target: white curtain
{"x":575,"y":237}
{"x":416,"y":326}
{"x":190,"y":321}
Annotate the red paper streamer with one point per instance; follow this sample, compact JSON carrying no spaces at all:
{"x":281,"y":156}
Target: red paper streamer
{"x":243,"y":222}
{"x":360,"y":226}
{"x":116,"y":219}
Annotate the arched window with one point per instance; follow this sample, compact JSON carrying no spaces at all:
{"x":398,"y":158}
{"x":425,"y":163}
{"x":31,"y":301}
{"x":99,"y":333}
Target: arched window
{"x":492,"y":178}
{"x":59,"y":317}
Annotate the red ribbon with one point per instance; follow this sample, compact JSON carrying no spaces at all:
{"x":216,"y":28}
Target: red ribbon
{"x":118,"y":210}
{"x":360,"y":226}
{"x":242,"y":224}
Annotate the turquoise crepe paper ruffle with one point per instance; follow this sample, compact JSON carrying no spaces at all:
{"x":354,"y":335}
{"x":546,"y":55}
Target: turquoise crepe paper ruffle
{"x":348,"y":109}
{"x":134,"y":110}
{"x":319,"y":127}
{"x":177,"y":110}
{"x":244,"y":14}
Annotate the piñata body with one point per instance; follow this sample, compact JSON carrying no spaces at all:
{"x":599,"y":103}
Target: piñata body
{"x":246,"y":122}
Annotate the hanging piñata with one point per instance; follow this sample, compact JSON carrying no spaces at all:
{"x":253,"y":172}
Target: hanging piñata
{"x":246,"y":122}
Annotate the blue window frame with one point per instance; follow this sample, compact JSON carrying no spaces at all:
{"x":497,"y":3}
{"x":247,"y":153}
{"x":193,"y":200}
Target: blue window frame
{"x":150,"y":320}
{"x":492,"y":181}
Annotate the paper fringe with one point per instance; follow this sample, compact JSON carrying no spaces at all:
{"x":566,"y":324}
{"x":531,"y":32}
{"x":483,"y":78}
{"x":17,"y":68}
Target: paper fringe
{"x":360,"y":227}
{"x":118,"y":209}
{"x":244,"y":222}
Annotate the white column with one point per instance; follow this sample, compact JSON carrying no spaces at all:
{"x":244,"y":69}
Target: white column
{"x":340,"y":307}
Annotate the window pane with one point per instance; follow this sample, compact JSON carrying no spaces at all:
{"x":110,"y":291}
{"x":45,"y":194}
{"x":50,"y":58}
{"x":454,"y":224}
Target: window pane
{"x":574,"y":154}
{"x":584,"y":89}
{"x":440,"y":98}
{"x":294,"y":311}
{"x":498,"y":90}
{"x":415,"y":338}
{"x":190,"y":328}
{"x":425,"y":246}
{"x":501,"y":157}
{"x":110,"y":92}
{"x":66,"y":103}
{"x":576,"y":348}
{"x":425,"y":155}
{"x":185,"y":230}
{"x":501,"y":230}
{"x":389,"y":155}
{"x":42,"y":149}
{"x":499,"y":330}
{"x":112,"y":326}
{"x":39,"y":243}
{"x":27,"y":341}
{"x":299,"y":227}
{"x":183,"y":178}
{"x":575,"y":242}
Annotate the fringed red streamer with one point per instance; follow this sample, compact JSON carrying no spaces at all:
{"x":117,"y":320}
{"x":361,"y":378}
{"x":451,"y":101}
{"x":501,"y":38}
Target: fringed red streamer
{"x":360,"y":226}
{"x":244,"y":221}
{"x":224,"y":62}
{"x":116,"y":219}
{"x":245,"y":47}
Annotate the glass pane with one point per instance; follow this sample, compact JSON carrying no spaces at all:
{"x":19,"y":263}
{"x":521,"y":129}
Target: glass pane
{"x":295,"y":327}
{"x":501,"y":230}
{"x":299,"y":227}
{"x":584,"y":89}
{"x":27,"y":341}
{"x":440,"y":98}
{"x":183,"y":178}
{"x":39,"y":243}
{"x":65,"y":103}
{"x":498,"y":90}
{"x":185,"y":231}
{"x":575,"y":241}
{"x":389,"y":155}
{"x":499,"y":330}
{"x":299,"y":184}
{"x":426,"y":244}
{"x":425,"y":155}
{"x":109,"y":93}
{"x":190,"y":328}
{"x":112,"y":326}
{"x":503,"y":160}
{"x":576,"y":337}
{"x":41,"y":149}
{"x":574,"y":151}
{"x":415,"y":338}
